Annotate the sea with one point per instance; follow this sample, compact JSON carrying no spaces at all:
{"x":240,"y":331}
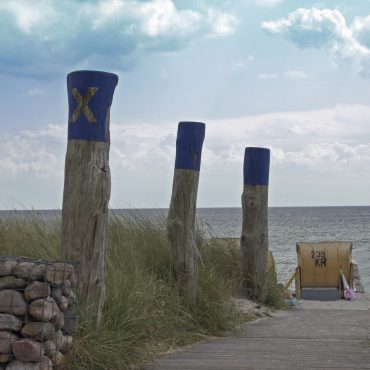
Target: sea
{"x":287,"y":226}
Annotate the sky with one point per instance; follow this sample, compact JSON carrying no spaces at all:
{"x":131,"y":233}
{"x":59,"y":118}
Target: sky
{"x":292,"y":76}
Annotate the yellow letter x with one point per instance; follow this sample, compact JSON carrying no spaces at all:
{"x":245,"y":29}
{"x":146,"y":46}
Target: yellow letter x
{"x":82,"y":104}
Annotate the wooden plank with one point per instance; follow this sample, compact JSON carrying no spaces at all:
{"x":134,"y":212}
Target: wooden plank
{"x":294,"y":339}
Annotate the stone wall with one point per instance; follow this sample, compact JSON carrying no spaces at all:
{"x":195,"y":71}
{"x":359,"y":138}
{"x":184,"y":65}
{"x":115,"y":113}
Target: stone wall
{"x":37,"y":313}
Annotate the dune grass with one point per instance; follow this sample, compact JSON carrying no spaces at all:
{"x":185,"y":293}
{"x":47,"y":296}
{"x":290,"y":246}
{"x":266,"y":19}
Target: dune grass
{"x":144,"y":315}
{"x":29,"y":237}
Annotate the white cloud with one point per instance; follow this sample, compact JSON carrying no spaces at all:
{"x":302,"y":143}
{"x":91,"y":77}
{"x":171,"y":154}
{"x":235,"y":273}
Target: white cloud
{"x":325,"y":156}
{"x":25,"y":14}
{"x":52,"y":132}
{"x":333,"y":142}
{"x":268,"y":2}
{"x":33,"y":154}
{"x":267,"y":76}
{"x":35,"y":92}
{"x":103,"y":33}
{"x":326,"y":140}
{"x":320,"y":140}
{"x":153,"y":18}
{"x":220,"y":23}
{"x":291,"y":75}
{"x":139,"y":145}
{"x":242,"y":63}
{"x":296,"y":75}
{"x":327,"y":28}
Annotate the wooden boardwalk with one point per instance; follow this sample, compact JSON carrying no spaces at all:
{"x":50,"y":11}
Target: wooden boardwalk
{"x":312,"y":338}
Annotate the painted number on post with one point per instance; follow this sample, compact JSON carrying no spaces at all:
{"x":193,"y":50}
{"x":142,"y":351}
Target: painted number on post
{"x":319,"y":257}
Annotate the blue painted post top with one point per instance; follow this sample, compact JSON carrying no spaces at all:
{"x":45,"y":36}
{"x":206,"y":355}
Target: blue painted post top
{"x":190,"y":137}
{"x":90,"y":94}
{"x":256,"y":166}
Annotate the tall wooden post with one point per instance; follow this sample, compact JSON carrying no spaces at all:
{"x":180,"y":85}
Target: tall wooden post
{"x":181,"y":215}
{"x":254,"y":238}
{"x":87,"y":184}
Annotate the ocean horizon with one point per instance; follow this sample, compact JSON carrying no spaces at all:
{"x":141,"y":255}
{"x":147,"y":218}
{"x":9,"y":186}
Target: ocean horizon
{"x":287,"y":226}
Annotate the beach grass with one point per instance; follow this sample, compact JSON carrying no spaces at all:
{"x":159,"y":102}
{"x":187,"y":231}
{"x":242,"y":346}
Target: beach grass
{"x":29,"y":237}
{"x":144,"y":315}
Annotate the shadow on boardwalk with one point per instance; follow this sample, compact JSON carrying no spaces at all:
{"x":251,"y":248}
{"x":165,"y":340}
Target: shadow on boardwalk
{"x":313,"y":335}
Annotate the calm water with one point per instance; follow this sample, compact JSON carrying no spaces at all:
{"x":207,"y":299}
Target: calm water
{"x":290,"y":225}
{"x":286,"y":227}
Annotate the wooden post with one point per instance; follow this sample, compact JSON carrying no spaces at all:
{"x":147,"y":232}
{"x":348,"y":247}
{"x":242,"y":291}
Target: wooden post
{"x":87,"y":184}
{"x":181,"y":215}
{"x":254,"y":238}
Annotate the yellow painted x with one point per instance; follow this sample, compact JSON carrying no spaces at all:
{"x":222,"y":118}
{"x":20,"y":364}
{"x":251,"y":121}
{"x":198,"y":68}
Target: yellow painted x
{"x":82,"y":105}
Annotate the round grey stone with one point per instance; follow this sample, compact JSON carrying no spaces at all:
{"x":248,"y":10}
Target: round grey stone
{"x":57,"y":273}
{"x":38,"y":330}
{"x":58,"y":359}
{"x":11,"y":282}
{"x":36,"y":290}
{"x":27,"y":350}
{"x":7,"y":267}
{"x":45,"y":364}
{"x":58,"y":339}
{"x":12,"y":302}
{"x":58,"y":321}
{"x":23,"y":270}
{"x":66,"y":288}
{"x":49,"y":348}
{"x":63,"y":304}
{"x":38,"y":272}
{"x":6,"y":340}
{"x":70,"y":321}
{"x":56,"y":293}
{"x":67,"y":344}
{"x":43,"y":309}
{"x":10,"y":322}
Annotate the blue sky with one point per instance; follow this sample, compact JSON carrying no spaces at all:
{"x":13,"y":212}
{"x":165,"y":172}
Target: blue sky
{"x":287,"y":75}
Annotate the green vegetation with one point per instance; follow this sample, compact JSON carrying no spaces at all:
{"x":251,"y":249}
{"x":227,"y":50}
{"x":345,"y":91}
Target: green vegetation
{"x":144,"y":315}
{"x":31,"y":237}
{"x":275,"y":294}
{"x":224,"y":255}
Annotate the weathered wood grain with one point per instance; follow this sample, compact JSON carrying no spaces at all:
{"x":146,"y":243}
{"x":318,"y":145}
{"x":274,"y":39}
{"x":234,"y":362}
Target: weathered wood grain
{"x":181,"y":230}
{"x":181,"y":215}
{"x":87,"y":184}
{"x":84,"y":218}
{"x":254,"y":240}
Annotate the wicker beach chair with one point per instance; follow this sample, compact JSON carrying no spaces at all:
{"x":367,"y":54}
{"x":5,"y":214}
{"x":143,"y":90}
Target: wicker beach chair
{"x":318,"y":272}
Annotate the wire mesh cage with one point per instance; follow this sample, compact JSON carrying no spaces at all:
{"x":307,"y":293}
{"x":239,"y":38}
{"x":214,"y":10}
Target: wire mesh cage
{"x":37,"y":312}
